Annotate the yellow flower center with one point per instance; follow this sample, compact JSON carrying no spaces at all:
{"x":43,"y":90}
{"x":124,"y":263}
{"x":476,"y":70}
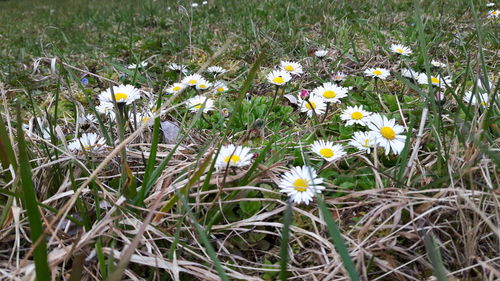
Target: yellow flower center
{"x":278,"y":80}
{"x":366,"y":143}
{"x":220,"y":89}
{"x":177,"y":88}
{"x":388,"y":133}
{"x":192,"y":82}
{"x":399,"y":51}
{"x":434,"y":80}
{"x":329,"y":94}
{"x":301,"y":185}
{"x":357,"y":115}
{"x":289,"y":68}
{"x":494,"y":12}
{"x":326,"y":152}
{"x":234,"y":158}
{"x":309,"y":104}
{"x":145,"y":119}
{"x":377,"y":72}
{"x":202,"y":86}
{"x":198,"y":106}
{"x":121,"y":96}
{"x":483,"y":103}
{"x":87,"y":147}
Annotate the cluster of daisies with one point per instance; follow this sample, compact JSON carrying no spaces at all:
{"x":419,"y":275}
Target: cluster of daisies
{"x":492,"y":14}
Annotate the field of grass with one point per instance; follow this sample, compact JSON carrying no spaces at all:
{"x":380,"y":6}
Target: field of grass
{"x":158,"y":193}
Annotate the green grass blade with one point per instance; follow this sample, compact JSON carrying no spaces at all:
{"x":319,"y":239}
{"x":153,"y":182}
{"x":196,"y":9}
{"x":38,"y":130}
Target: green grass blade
{"x":285,"y":237}
{"x":30,"y":203}
{"x":435,"y":257}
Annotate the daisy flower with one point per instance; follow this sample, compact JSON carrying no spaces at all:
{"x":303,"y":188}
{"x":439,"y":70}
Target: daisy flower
{"x":387,"y":133}
{"x":377,"y":72}
{"x":300,"y":184}
{"x":278,"y":77}
{"x":192,"y":80}
{"x":314,"y":103}
{"x":195,"y":103}
{"x":175,"y":88}
{"x":220,"y":87}
{"x":233,"y":156}
{"x":194,"y":5}
{"x":321,"y":53}
{"x":40,"y":122}
{"x":291,"y":67}
{"x":123,"y":94}
{"x":401,"y":49}
{"x":481,"y":84}
{"x":178,"y":67}
{"x":327,"y":150}
{"x":339,"y":76}
{"x":107,"y":109}
{"x":493,"y":14}
{"x":143,"y":64}
{"x":478,"y":99}
{"x":330,"y":92}
{"x":142,"y":118}
{"x":363,"y":141}
{"x":203,"y":84}
{"x":439,"y":64}
{"x":87,"y":142}
{"x":204,"y":2}
{"x":355,"y":115}
{"x":87,"y":119}
{"x":410,"y":73}
{"x":490,"y":4}
{"x":216,"y":70}
{"x":435,"y":80}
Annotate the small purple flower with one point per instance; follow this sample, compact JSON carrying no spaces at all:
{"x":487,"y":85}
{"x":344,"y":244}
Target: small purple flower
{"x":304,"y":94}
{"x":85,"y":81}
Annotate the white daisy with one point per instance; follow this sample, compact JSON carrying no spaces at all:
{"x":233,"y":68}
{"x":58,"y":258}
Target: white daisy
{"x":401,"y":49}
{"x":377,"y":72}
{"x":355,"y":115}
{"x":300,"y":184}
{"x":220,"y":87}
{"x":175,"y":88}
{"x":204,"y":2}
{"x":192,"y":80}
{"x":480,"y":84}
{"x":314,"y":103}
{"x":278,"y":77}
{"x":363,"y":141}
{"x":321,"y":53}
{"x":330,"y":92}
{"x":217,"y":70}
{"x":40,"y":122}
{"x":195,"y":103}
{"x":87,"y":142}
{"x":87,"y":119}
{"x":107,"y":109}
{"x":144,"y":117}
{"x":493,"y":14}
{"x":123,"y":94}
{"x":203,"y":84}
{"x":327,"y":150}
{"x":194,"y":5}
{"x":178,"y":67}
{"x":233,"y":156}
{"x":490,"y":4}
{"x":291,"y":67}
{"x":477,"y":99}
{"x":439,"y":81}
{"x":387,"y":133}
{"x":143,"y":64}
{"x":439,"y":64}
{"x":339,"y":76}
{"x":410,"y":73}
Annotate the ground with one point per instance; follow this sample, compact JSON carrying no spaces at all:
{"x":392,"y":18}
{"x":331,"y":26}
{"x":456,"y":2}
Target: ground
{"x":152,"y":189}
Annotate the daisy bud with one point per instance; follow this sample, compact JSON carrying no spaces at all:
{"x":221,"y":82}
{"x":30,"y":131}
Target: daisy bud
{"x":304,"y":94}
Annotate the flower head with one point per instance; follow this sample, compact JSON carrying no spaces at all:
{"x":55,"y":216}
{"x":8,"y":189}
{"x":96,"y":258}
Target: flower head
{"x":300,"y":184}
{"x":363,"y":141}
{"x":203,"y":84}
{"x":87,"y":142}
{"x":175,"y":88}
{"x":493,"y":14}
{"x":220,"y":87}
{"x":143,"y":64}
{"x":401,"y":49}
{"x":410,"y":73}
{"x":387,"y":133}
{"x":321,"y":53}
{"x":355,"y":115}
{"x":313,"y":104}
{"x":192,"y":80}
{"x":377,"y":72}
{"x":233,"y":156}
{"x":439,"y":64}
{"x":197,"y":102}
{"x":330,"y":92}
{"x":141,"y":118}
{"x":339,"y":76}
{"x":291,"y":67}
{"x":327,"y":150}
{"x":278,"y":77}
{"x":477,"y":99}
{"x":123,"y":94}
{"x":107,"y":109}
{"x":439,"y":81}
{"x":178,"y":67}
{"x":216,"y":70}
